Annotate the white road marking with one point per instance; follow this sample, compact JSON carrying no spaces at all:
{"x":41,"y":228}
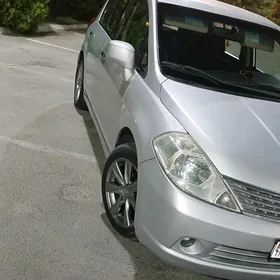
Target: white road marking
{"x":42,"y":74}
{"x":46,"y":149}
{"x":52,"y":45}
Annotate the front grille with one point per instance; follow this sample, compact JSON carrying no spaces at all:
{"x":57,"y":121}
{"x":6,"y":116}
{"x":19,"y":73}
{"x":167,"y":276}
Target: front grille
{"x":241,"y":258}
{"x":256,"y":201}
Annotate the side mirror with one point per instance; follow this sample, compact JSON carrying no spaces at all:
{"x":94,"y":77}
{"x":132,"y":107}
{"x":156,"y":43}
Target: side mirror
{"x":121,"y":53}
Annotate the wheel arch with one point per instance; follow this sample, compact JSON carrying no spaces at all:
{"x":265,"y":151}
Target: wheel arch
{"x":125,"y":136}
{"x":81,"y":56}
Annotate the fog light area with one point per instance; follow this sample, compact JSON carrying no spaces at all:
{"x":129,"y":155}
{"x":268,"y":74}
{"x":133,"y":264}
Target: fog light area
{"x":187,"y":242}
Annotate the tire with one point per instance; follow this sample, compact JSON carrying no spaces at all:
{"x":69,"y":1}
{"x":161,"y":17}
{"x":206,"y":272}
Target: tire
{"x":79,"y":101}
{"x":125,"y":194}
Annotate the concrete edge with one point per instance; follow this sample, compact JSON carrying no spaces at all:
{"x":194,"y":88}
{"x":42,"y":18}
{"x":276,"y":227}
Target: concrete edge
{"x":50,"y":28}
{"x":57,"y":28}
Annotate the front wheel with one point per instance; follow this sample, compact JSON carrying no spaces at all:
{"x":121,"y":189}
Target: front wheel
{"x":119,"y":188}
{"x":79,"y":100}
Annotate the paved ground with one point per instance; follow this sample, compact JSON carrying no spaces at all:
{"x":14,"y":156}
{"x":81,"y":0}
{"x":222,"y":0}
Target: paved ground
{"x":52,"y":224}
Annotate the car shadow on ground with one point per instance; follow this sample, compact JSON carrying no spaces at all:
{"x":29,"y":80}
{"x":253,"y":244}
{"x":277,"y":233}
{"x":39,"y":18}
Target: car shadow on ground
{"x":94,"y":139}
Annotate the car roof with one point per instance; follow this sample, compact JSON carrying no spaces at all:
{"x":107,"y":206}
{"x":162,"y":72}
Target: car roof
{"x":221,"y":8}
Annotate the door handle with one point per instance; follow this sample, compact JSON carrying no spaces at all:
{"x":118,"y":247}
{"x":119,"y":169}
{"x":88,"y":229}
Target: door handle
{"x":103,"y":57}
{"x":91,"y":34}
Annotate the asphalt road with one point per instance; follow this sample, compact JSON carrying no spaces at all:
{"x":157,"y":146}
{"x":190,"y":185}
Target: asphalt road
{"x":52,"y":223}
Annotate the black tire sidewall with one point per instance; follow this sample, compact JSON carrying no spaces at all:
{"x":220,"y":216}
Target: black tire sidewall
{"x":80,"y":102}
{"x":126,"y":151}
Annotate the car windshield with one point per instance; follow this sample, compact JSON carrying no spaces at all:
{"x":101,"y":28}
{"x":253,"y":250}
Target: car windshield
{"x":228,"y":50}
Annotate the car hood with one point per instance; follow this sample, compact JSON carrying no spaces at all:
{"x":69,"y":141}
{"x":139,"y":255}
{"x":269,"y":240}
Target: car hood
{"x":240,"y":135}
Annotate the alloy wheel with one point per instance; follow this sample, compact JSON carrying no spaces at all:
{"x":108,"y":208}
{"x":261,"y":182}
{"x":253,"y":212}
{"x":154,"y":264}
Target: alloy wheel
{"x":78,"y":83}
{"x":121,"y":192}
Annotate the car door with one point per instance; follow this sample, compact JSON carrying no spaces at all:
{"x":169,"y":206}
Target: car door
{"x":95,"y":77}
{"x":130,"y":25}
{"x":97,"y":38}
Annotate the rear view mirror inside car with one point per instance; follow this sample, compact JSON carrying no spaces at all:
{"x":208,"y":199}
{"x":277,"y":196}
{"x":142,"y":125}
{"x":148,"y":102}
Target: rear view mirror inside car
{"x":227,"y":31}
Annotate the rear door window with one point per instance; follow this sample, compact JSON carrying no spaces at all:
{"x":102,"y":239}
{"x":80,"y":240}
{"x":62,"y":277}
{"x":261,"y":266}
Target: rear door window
{"x":113,"y":15}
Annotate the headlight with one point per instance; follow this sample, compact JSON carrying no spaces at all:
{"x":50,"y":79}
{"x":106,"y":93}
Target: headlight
{"x":189,"y":169}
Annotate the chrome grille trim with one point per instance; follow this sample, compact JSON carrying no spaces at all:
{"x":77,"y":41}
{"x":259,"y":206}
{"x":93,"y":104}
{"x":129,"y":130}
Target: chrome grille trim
{"x":241,"y":252}
{"x":255,"y":201}
{"x":242,"y":258}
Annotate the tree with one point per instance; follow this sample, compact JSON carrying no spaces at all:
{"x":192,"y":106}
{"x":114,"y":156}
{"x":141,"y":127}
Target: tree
{"x":83,"y":10}
{"x":276,"y":10}
{"x":251,"y":5}
{"x":266,"y":8}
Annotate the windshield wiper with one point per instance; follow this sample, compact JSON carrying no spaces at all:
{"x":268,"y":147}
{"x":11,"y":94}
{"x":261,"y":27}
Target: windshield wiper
{"x":261,"y":89}
{"x":268,"y":87}
{"x":190,"y":71}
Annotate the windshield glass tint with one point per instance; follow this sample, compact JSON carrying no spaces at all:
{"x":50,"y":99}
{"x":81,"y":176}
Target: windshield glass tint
{"x":229,"y":50}
{"x":269,"y":62}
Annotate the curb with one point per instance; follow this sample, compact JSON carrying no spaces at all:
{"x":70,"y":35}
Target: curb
{"x":57,"y":28}
{"x":50,"y":28}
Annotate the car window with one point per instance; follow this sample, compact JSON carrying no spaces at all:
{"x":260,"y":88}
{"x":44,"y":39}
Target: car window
{"x":269,"y":62}
{"x":233,"y":48}
{"x":112,"y":16}
{"x":203,"y":41}
{"x":127,"y":20}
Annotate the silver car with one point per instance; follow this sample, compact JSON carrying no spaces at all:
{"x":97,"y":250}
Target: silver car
{"x":185,"y":97}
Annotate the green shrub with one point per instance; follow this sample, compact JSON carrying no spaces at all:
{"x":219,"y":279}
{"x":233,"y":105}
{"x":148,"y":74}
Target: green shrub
{"x":23,"y":16}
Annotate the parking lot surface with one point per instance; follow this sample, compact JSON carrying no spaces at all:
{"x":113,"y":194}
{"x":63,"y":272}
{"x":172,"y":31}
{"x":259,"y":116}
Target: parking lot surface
{"x":52,"y":223}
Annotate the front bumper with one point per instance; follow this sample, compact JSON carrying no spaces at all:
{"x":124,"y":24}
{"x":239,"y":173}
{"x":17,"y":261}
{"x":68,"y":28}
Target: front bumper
{"x":229,"y":245}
